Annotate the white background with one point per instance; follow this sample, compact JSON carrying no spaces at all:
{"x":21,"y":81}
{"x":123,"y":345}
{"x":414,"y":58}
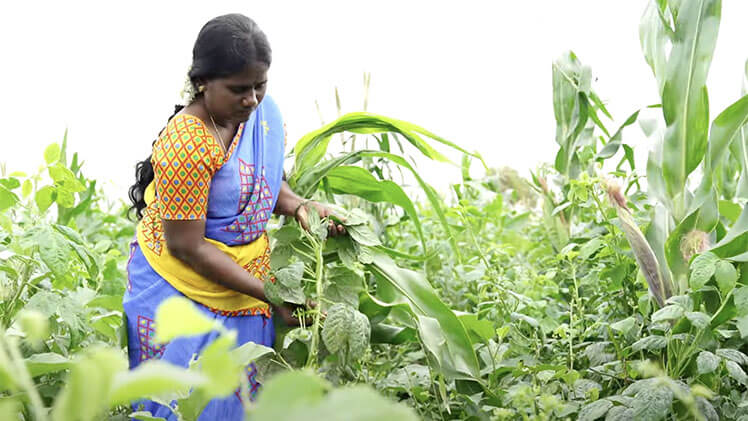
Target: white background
{"x":475,"y":72}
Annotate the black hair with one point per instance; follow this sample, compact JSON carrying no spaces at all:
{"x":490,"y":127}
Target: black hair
{"x":225,"y":45}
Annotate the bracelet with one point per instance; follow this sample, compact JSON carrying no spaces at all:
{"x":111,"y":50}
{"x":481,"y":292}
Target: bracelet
{"x":303,"y":203}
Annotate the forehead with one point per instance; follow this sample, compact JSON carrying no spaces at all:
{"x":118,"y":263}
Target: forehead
{"x":254,"y":73}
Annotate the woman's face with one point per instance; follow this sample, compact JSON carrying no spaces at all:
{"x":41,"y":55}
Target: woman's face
{"x":233,"y":98}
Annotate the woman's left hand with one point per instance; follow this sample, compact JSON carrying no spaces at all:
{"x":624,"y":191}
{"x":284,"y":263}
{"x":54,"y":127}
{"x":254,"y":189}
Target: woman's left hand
{"x":302,"y":215}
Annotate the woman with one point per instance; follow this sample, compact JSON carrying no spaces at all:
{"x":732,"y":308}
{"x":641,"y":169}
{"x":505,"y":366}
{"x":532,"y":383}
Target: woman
{"x":204,"y":198}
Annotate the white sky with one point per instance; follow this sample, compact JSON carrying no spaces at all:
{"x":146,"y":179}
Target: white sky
{"x":475,"y":72}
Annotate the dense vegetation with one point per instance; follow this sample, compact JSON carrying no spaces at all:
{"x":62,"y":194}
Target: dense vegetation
{"x":601,"y":288}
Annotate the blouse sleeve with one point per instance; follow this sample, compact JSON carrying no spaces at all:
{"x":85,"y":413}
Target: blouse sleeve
{"x":185,"y":157}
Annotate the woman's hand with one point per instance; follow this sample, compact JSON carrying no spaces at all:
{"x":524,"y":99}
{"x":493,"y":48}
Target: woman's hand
{"x":286,"y":311}
{"x":302,"y":215}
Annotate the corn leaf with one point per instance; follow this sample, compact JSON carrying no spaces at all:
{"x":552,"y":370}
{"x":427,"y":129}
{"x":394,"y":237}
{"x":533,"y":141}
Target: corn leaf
{"x":685,"y":102}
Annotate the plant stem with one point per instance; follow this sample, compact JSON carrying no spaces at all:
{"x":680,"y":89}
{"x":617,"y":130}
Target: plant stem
{"x":313,"y":349}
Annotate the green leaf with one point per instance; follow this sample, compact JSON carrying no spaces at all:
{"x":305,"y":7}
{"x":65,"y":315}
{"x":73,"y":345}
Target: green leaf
{"x":363,"y":235}
{"x":726,"y":276}
{"x":86,"y":393}
{"x":152,"y":378}
{"x":741,"y":300}
{"x":736,"y":240}
{"x":46,"y":363}
{"x":346,"y":331}
{"x":733,"y":355}
{"x":360,"y":182}
{"x":707,"y":362}
{"x":275,"y":403}
{"x":742,"y":324}
{"x":178,"y":316}
{"x":650,"y":343}
{"x":685,"y":103}
{"x":287,"y":287}
{"x":653,"y":36}
{"x":27,"y":187}
{"x":446,"y":337}
{"x":702,"y":269}
{"x":45,"y":197}
{"x":52,"y":153}
{"x":7,"y":198}
{"x":698,"y":319}
{"x":652,"y":404}
{"x":736,"y":372}
{"x":343,"y":286}
{"x":670,"y":312}
{"x":624,"y":326}
{"x":724,"y":131}
{"x":594,"y":410}
{"x":223,"y":373}
{"x":250,"y":352}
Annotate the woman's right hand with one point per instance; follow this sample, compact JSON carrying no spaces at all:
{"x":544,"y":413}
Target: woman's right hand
{"x":286,"y":311}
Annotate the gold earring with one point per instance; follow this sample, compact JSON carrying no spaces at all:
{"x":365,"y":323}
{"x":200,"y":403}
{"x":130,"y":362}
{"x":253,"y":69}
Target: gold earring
{"x":201,"y":88}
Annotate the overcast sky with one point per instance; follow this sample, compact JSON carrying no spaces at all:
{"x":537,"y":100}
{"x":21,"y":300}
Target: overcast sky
{"x":475,"y":72}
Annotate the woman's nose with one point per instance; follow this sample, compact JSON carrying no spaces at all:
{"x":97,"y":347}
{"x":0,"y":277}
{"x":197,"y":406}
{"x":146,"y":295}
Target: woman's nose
{"x":250,"y":100}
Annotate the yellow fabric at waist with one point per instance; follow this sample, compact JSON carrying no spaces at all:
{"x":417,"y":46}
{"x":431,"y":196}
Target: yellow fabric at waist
{"x":253,"y":257}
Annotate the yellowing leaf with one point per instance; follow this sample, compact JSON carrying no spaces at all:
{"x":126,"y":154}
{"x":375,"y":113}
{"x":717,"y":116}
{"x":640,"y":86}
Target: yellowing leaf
{"x":178,"y":316}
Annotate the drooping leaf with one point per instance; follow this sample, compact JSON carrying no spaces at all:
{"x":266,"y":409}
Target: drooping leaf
{"x":178,"y":316}
{"x":707,"y":362}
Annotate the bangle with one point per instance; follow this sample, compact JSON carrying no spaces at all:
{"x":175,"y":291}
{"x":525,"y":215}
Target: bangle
{"x":302,"y":204}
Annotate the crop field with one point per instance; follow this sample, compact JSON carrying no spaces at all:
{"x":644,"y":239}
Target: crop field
{"x":596,"y":288}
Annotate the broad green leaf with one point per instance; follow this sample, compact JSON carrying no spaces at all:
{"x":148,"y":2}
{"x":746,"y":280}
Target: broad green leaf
{"x":726,"y":276}
{"x":707,"y":362}
{"x":222,"y":374}
{"x":725,"y":130}
{"x":624,"y":326}
{"x":363,"y":235}
{"x":652,"y":404}
{"x":152,"y":378}
{"x":44,"y":363}
{"x":741,"y":300}
{"x":312,"y":146}
{"x":702,"y":269}
{"x":670,"y":312}
{"x":27,"y":187}
{"x":742,"y":324}
{"x":733,"y":355}
{"x":276,"y":403}
{"x":52,"y":153}
{"x":698,"y":319}
{"x":86,"y":393}
{"x":7,"y":198}
{"x":736,"y":372}
{"x":343,"y":286}
{"x":685,"y":101}
{"x":360,"y":182}
{"x":178,"y":316}
{"x":45,"y":197}
{"x":653,"y":36}
{"x":398,"y":287}
{"x":145,"y":416}
{"x":736,"y":240}
{"x":360,"y":403}
{"x":649,"y":343}
{"x":11,"y":409}
{"x":594,"y":410}
{"x":249,"y":352}
{"x":480,"y":330}
{"x":346,"y":331}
